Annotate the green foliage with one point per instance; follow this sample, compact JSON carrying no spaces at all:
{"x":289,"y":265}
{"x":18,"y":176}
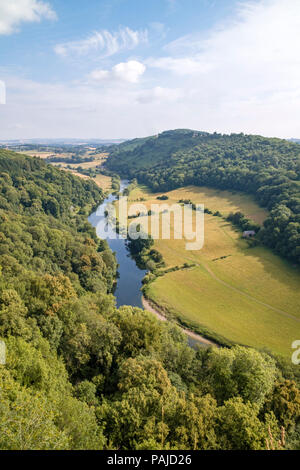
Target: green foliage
{"x":27,"y":420}
{"x":71,"y":160}
{"x":242,"y":222}
{"x":81,"y":374}
{"x":267,"y":168}
{"x":284,"y":401}
{"x":140,"y":246}
{"x":140,"y":332}
{"x":240,"y":371}
{"x":239,"y":427}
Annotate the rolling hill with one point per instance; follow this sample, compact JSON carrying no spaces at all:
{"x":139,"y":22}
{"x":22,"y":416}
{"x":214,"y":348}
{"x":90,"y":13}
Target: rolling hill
{"x":268,"y":168}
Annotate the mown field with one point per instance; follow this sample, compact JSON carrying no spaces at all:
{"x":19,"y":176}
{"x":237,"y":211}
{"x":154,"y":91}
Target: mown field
{"x":42,"y":154}
{"x":103,"y":182}
{"x":98,"y":160}
{"x":245,"y":295}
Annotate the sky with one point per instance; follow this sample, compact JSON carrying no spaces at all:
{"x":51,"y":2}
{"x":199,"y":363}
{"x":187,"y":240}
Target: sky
{"x":111,"y":69}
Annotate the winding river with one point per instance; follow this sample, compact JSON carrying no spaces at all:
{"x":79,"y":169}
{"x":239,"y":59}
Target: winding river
{"x":129,"y":283}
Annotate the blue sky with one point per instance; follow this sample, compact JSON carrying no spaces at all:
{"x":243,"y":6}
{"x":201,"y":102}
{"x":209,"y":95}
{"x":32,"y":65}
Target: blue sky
{"x":30,"y":50}
{"x":127,"y":68}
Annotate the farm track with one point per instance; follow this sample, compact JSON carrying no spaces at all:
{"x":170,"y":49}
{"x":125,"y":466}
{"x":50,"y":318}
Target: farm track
{"x":235,"y":289}
{"x":244,"y":294}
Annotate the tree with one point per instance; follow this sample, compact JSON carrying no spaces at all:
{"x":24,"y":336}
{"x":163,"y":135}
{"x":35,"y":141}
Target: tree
{"x":27,"y":421}
{"x":240,"y":371}
{"x":13,"y":315}
{"x":140,"y":331}
{"x":284,"y":402}
{"x":238,"y":426}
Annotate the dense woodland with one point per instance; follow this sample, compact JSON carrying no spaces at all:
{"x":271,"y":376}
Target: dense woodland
{"x":267,"y":168}
{"x":81,"y":374}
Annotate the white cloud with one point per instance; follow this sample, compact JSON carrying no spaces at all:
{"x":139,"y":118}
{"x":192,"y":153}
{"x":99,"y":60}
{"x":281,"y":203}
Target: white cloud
{"x":57,"y":110}
{"x":99,"y":75}
{"x":130,"y":72}
{"x":258,"y":50}
{"x":14,"y":12}
{"x":104,"y":42}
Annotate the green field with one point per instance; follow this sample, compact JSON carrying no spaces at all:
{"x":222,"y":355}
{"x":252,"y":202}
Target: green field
{"x":250,"y":297}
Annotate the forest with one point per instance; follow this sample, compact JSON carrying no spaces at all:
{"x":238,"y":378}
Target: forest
{"x":268,"y":168}
{"x":82,"y":374}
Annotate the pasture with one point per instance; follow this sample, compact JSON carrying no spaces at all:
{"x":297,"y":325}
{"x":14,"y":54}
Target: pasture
{"x":245,"y":295}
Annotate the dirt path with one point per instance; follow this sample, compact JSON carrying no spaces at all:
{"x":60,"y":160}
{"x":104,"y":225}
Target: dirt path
{"x":148,"y":306}
{"x":248,"y":296}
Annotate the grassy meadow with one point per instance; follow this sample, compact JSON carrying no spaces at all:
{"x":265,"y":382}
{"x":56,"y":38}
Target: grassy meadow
{"x":245,"y":295}
{"x":103,"y":182}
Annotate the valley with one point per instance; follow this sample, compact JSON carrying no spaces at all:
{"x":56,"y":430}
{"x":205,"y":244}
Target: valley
{"x":234,"y":293}
{"x":63,"y":304}
{"x":149,"y":230}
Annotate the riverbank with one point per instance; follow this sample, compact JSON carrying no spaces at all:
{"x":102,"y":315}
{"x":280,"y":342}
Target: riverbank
{"x":191,"y":334}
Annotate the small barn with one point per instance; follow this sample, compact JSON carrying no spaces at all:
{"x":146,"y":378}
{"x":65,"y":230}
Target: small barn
{"x":249,"y":234}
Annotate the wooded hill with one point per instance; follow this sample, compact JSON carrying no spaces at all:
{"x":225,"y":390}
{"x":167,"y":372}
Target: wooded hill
{"x":268,"y":168}
{"x":80,"y":374}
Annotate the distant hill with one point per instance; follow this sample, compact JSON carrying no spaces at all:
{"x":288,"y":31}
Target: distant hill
{"x":268,"y":168}
{"x":142,"y":153}
{"x":183,"y":146}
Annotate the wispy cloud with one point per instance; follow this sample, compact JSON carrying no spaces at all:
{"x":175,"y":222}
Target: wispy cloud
{"x":104,"y":42}
{"x":261,"y":42}
{"x":181,"y":65}
{"x":246,"y":70}
{"x":15,"y":12}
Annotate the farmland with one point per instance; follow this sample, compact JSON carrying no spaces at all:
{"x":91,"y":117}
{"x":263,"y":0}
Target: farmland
{"x":245,"y":295}
{"x":78,"y":169}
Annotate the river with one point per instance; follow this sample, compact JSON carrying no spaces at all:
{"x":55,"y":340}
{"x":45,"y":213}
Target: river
{"x":129,"y":282}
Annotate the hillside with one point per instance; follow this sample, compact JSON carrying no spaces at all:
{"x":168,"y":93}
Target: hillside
{"x":267,"y":168}
{"x":80,"y":374}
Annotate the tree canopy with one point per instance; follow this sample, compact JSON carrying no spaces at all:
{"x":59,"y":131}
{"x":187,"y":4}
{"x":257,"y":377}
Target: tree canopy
{"x":82,"y":374}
